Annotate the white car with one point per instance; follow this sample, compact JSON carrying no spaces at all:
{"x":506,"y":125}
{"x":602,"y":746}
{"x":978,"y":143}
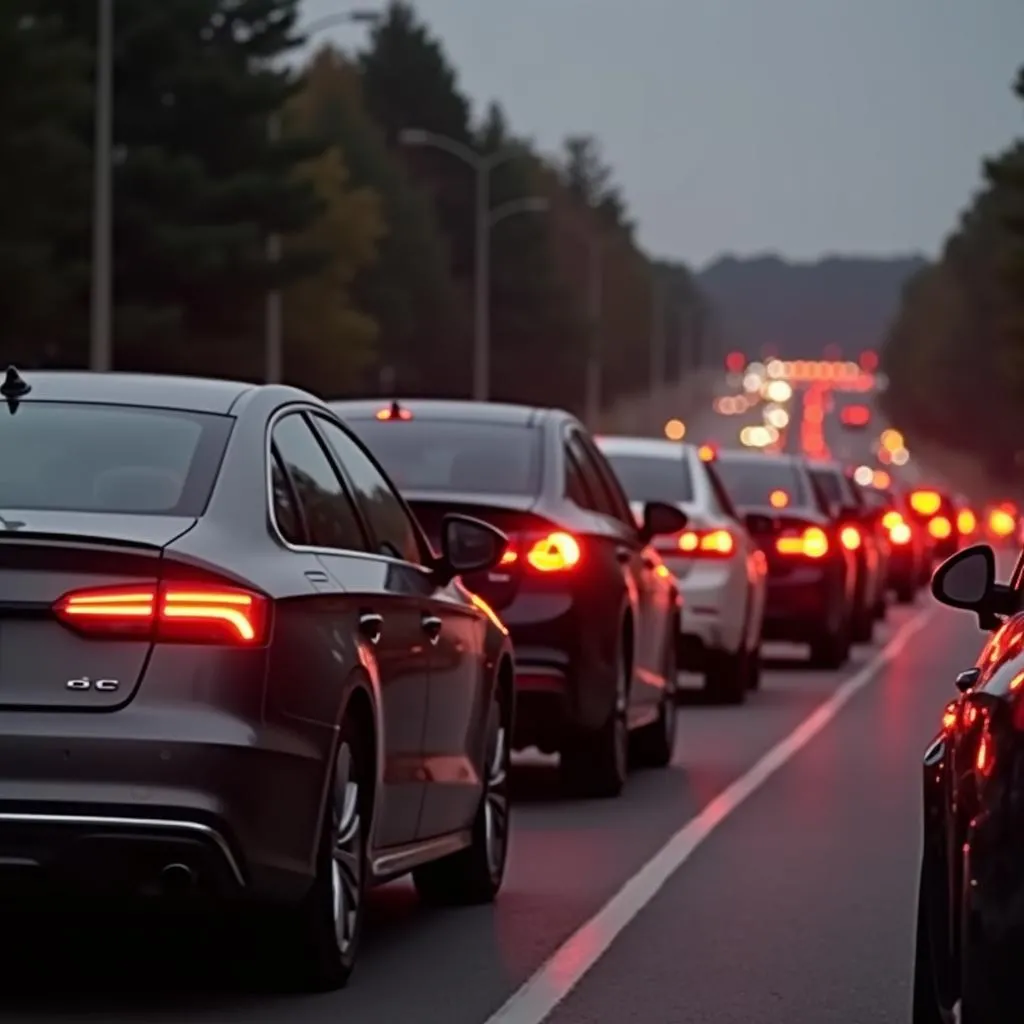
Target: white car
{"x":720,"y":569}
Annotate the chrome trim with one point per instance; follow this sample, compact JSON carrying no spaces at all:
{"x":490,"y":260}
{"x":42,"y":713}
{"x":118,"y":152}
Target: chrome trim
{"x":400,"y":861}
{"x":279,"y":414}
{"x":160,"y":824}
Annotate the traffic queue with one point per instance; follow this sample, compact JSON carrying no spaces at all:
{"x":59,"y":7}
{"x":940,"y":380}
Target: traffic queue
{"x":212,"y":591}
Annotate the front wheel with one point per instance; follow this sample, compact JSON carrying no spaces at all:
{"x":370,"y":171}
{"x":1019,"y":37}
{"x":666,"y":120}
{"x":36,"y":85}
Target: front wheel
{"x":925,"y":1007}
{"x":474,"y":875}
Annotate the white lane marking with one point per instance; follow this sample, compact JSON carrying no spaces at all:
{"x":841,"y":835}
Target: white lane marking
{"x":565,"y":968}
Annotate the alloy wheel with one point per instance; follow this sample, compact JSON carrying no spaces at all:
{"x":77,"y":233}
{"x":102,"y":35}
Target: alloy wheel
{"x":347,"y":852}
{"x":496,"y":802}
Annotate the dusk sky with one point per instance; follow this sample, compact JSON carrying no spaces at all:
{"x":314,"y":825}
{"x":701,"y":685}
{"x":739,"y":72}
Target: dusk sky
{"x":746,"y":126}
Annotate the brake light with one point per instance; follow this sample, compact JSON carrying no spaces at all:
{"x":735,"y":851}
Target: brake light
{"x":966,"y":521}
{"x":778,"y":499}
{"x":702,"y":544}
{"x":1001,"y":522}
{"x":167,"y":613}
{"x":940,"y":527}
{"x":900,"y":533}
{"x":925,"y":503}
{"x":707,"y":453}
{"x":850,"y":538}
{"x":891,"y":519}
{"x":556,"y":552}
{"x":393,"y":412}
{"x":812,"y":543}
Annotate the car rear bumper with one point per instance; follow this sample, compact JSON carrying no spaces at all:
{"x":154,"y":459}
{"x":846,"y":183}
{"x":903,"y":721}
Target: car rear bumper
{"x":800,"y":605}
{"x":112,"y":800}
{"x":714,"y":610}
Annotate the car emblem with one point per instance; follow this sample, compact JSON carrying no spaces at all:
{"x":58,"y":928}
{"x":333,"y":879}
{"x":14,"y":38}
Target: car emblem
{"x":85,"y":683}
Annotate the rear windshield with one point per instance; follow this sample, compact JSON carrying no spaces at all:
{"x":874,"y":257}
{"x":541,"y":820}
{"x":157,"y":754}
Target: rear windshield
{"x":456,"y":456}
{"x":835,"y":487}
{"x":648,"y":478}
{"x":750,"y":482}
{"x":62,"y":456}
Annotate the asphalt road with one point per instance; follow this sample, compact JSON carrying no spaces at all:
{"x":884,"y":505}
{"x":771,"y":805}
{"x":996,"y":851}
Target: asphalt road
{"x":792,"y":899}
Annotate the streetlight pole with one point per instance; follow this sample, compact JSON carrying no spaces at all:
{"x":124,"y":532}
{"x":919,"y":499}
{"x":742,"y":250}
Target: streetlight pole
{"x":484,"y":220}
{"x":273,"y":349}
{"x":100,"y":341}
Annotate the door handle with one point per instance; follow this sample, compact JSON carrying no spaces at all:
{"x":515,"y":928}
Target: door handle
{"x":315,"y":576}
{"x":432,"y":627}
{"x":371,"y":626}
{"x":968,"y":680}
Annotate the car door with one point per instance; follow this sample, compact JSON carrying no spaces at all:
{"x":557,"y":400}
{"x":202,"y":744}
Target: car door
{"x":376,"y":599}
{"x":637,"y":566}
{"x":452,"y":632}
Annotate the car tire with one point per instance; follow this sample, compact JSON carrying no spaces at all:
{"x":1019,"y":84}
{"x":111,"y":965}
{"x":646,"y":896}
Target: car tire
{"x":984,"y":999}
{"x":319,"y":939}
{"x":474,"y":875}
{"x":831,"y":648}
{"x":881,"y":609}
{"x":596,"y":764}
{"x":863,"y":629}
{"x":905,"y":593}
{"x":728,"y":676}
{"x":754,"y":668}
{"x":654,"y":745}
{"x":924,"y":1000}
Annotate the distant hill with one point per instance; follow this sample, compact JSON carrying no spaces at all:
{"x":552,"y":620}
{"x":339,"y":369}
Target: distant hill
{"x":800,"y":308}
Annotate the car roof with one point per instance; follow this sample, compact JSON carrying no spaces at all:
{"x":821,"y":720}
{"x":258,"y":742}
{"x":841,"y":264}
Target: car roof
{"x":446,"y":409}
{"x":164,"y":391}
{"x":739,"y":455}
{"x":651,"y":447}
{"x":826,"y":464}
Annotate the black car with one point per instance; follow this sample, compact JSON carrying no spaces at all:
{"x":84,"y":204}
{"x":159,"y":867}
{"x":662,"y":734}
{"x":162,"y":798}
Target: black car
{"x":233,"y":669}
{"x":811,"y":573}
{"x":592,"y":610}
{"x":857,"y":524}
{"x":908,"y":551}
{"x":970,"y":915}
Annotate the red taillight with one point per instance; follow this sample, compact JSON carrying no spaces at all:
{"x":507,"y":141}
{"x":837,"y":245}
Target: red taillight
{"x":552,"y":552}
{"x":850,"y":538}
{"x":1001,"y":522}
{"x":168,"y":613}
{"x":700,"y":544}
{"x":899,"y":533}
{"x":812,"y":543}
{"x":966,"y":522}
{"x":940,"y":527}
{"x":925,"y":503}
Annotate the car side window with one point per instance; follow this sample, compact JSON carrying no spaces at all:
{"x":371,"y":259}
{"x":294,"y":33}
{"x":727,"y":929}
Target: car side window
{"x":576,"y":489}
{"x":596,"y":496}
{"x":330,"y":516}
{"x":719,"y":495}
{"x":390,"y":522}
{"x":617,"y":501}
{"x":286,"y":505}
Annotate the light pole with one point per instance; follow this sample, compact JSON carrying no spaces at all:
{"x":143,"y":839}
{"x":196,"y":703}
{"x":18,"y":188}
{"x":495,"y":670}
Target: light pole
{"x":484,"y":219}
{"x":100,"y":339}
{"x":273,"y":317}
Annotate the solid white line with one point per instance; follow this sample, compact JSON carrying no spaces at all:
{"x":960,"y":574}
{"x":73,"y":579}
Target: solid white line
{"x":560,"y":974}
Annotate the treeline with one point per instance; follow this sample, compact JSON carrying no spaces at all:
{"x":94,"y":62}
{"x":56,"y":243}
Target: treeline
{"x":219,"y":143}
{"x":955,"y":355}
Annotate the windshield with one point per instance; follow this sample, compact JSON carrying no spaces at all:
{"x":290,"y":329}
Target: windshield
{"x":752,"y":482}
{"x":108,"y":458}
{"x":456,"y":456}
{"x":647,"y":478}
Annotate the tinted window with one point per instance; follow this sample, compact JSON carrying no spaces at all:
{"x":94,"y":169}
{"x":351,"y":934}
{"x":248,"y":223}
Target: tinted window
{"x":835,"y":487}
{"x":648,"y":478}
{"x":109,"y":458}
{"x":595,"y":493}
{"x":382,"y":509}
{"x":452,"y":456}
{"x":286,"y":507}
{"x":750,"y":482}
{"x":576,"y":489}
{"x":613,"y":489}
{"x":329,"y":513}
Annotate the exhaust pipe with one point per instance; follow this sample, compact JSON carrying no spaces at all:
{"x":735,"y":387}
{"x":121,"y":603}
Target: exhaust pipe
{"x":177,"y":878}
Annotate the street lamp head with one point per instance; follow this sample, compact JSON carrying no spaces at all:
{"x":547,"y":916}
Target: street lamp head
{"x":412,"y":137}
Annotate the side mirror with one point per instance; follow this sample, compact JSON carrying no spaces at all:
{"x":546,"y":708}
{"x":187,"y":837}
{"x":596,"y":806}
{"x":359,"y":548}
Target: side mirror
{"x":757,"y":525}
{"x":469,"y":545}
{"x":661,"y":519}
{"x":967,"y":580}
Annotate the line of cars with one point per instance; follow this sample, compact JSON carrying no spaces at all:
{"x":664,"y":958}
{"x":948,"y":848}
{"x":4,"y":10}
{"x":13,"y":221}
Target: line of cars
{"x":265,"y":652}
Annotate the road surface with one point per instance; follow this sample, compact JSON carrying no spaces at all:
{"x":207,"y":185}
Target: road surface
{"x":788,"y":888}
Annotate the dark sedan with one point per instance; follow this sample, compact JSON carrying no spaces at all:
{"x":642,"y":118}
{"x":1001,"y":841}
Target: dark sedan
{"x":811,"y":574}
{"x":212,"y":600}
{"x":593,"y":612}
{"x":857,"y":524}
{"x":970,"y":916}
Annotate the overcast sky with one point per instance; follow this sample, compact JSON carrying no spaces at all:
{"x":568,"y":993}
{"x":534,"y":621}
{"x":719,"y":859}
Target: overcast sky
{"x":745,"y":126}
